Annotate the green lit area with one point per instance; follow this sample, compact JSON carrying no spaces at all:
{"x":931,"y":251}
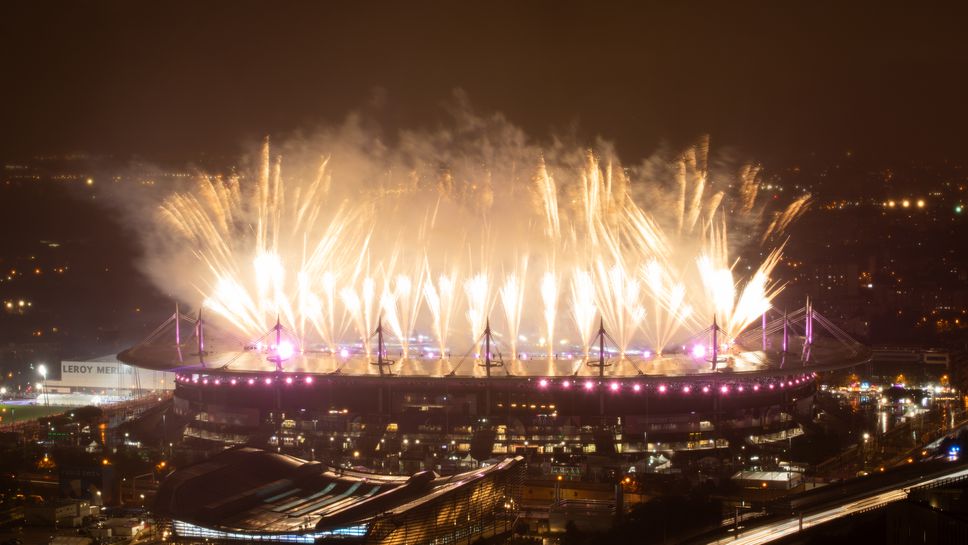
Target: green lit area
{"x":10,"y":413}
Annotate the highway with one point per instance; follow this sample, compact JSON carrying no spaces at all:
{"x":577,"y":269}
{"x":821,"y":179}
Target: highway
{"x":784,"y":527}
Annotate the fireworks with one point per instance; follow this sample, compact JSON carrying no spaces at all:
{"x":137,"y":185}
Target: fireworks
{"x":586,"y":238}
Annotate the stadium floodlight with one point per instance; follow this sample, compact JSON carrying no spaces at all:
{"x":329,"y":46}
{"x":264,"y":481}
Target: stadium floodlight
{"x":42,"y":369}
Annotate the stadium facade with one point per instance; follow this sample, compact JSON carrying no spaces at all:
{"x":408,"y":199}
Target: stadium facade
{"x":568,"y":410}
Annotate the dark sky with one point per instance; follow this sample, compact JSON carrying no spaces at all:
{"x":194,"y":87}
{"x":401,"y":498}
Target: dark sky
{"x":779,"y":80}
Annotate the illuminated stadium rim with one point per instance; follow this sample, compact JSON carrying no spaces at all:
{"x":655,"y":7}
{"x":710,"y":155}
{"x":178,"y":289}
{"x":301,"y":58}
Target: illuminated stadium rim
{"x":704,"y":385}
{"x":187,"y":529}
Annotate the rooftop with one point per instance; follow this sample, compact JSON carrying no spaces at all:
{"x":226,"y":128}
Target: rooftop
{"x":244,"y":491}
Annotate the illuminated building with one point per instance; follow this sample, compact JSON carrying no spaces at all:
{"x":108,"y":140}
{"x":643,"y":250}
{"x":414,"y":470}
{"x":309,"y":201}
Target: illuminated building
{"x":252,"y":496}
{"x":448,"y":414}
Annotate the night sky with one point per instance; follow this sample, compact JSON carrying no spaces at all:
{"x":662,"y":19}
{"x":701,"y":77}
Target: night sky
{"x":170,"y":81}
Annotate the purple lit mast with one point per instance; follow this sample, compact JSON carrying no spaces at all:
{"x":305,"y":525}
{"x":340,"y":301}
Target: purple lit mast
{"x":764,"y":330}
{"x":200,"y":335}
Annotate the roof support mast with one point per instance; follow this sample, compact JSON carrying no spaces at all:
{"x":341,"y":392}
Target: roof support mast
{"x":278,"y":358}
{"x":200,"y":335}
{"x":381,"y":362}
{"x":715,"y":343}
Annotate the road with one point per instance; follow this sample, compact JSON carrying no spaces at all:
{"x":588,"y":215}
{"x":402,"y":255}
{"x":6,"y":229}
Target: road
{"x":791,"y":525}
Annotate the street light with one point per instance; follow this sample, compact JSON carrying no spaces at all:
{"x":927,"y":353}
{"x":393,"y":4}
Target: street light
{"x":42,"y":369}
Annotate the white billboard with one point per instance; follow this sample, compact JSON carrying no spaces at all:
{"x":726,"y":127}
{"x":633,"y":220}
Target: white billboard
{"x":108,"y":373}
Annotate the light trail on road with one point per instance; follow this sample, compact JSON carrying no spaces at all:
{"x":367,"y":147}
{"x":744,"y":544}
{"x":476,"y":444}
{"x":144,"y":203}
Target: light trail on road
{"x":791,"y":525}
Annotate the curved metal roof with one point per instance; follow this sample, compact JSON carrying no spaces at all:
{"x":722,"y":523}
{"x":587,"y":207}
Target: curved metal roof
{"x":245,"y":490}
{"x":751,"y":353}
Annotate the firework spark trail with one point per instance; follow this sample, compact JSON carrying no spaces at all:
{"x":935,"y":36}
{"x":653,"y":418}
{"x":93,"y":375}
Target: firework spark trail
{"x":320,"y":308}
{"x":388,"y":314}
{"x":547,"y":192}
{"x":583,"y":308}
{"x":733,"y":314}
{"x":441,"y":301}
{"x":698,"y":184}
{"x":400,"y":305}
{"x":299,"y":250}
{"x":410,"y":301}
{"x":362,"y":309}
{"x":782,"y":220}
{"x":477,"y":289}
{"x":549,"y":299}
{"x":756,"y":295}
{"x":618,"y":301}
{"x":748,"y":188}
{"x":512,"y":300}
{"x":668,"y":309}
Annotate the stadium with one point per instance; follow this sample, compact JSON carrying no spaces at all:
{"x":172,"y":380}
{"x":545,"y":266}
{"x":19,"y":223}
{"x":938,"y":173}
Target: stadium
{"x":601,"y":356}
{"x":572,"y":412}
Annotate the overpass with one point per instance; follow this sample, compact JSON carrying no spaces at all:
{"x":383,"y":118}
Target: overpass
{"x":820,"y":506}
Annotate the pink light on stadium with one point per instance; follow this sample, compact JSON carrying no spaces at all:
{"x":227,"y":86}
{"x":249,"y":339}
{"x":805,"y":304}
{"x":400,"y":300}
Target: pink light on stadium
{"x":705,"y":389}
{"x":251,"y":381}
{"x":686,"y":389}
{"x":217,"y":382}
{"x":344,"y":353}
{"x":662,"y":388}
{"x":233,"y":382}
{"x":724,"y":389}
{"x":756,"y":387}
{"x":268,"y":381}
{"x":543,"y":383}
{"x":204,"y":381}
{"x":699,"y":351}
{"x":589,"y":385}
{"x":285,"y":350}
{"x":309,"y":380}
{"x":636,"y":388}
{"x":740,"y":387}
{"x":771,"y":386}
{"x":613,"y":386}
{"x":288,"y":380}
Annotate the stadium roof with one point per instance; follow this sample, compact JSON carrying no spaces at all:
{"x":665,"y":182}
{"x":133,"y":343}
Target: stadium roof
{"x":219,"y":350}
{"x":243,"y":492}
